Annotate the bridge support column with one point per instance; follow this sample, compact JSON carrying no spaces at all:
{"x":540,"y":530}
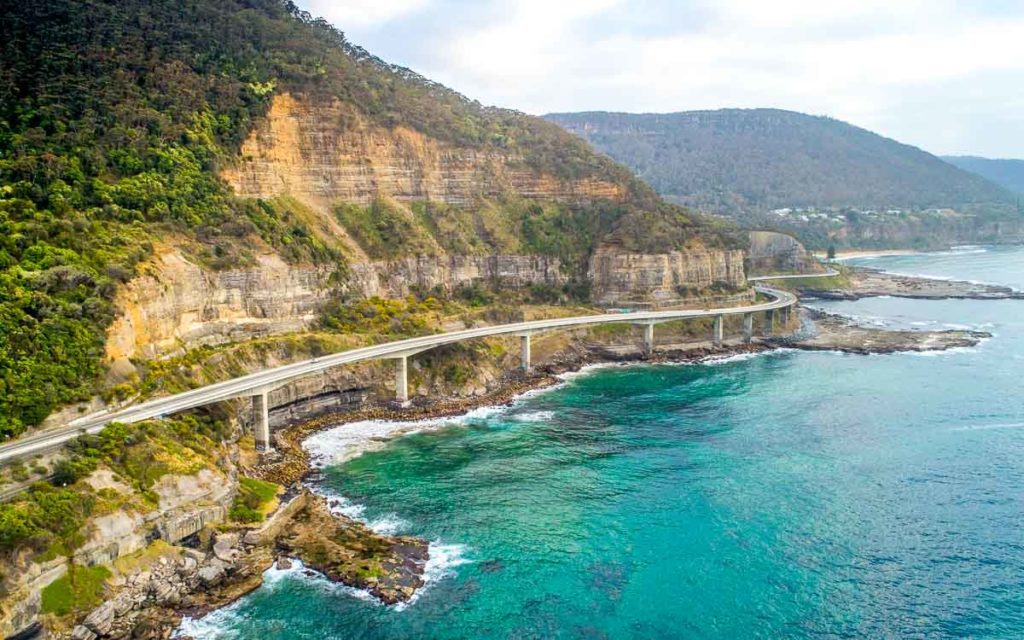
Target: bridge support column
{"x":524,"y":352}
{"x":769,"y":323}
{"x":719,"y":331}
{"x":402,"y":379}
{"x":261,"y":421}
{"x":784,"y":316}
{"x":748,"y":328}
{"x":649,"y":339}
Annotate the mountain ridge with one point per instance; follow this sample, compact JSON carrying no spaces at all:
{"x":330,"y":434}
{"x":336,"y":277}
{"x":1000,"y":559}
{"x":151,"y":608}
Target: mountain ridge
{"x":717,"y":159}
{"x":1008,"y":172}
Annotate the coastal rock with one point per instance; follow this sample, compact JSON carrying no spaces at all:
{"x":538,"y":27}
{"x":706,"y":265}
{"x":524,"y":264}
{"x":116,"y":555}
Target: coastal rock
{"x":213,"y":573}
{"x":82,"y":632}
{"x":346,"y":551}
{"x":101,"y":619}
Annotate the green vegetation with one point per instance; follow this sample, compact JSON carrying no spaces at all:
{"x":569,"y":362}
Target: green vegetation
{"x":116,"y":118}
{"x":1007,"y":173}
{"x":738,"y":160}
{"x":254,"y":498}
{"x":409,"y":317}
{"x":49,"y":517}
{"x":80,"y":589}
{"x":385,"y":230}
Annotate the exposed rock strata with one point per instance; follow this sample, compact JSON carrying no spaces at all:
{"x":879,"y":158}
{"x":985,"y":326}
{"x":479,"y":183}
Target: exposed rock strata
{"x":323,"y":151}
{"x":178,"y":303}
{"x":620,"y":276}
{"x":772,"y":252}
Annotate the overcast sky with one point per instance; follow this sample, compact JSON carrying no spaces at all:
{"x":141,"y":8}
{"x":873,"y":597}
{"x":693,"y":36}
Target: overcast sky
{"x":944,"y":75}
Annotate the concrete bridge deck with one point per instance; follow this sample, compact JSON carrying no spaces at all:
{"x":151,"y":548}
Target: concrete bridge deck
{"x":258,"y":385}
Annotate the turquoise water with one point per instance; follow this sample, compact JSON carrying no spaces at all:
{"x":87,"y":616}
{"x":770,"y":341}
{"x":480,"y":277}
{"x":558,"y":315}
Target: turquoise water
{"x":786,"y":495}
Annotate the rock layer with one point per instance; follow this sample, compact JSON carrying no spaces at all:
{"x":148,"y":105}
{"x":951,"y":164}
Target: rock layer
{"x":325,"y":151}
{"x":619,"y":276}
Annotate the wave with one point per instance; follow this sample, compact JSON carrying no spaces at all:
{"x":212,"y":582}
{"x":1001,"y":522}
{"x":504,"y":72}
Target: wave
{"x":225,"y":623}
{"x":441,"y":564}
{"x":987,"y":427}
{"x":534,"y":416}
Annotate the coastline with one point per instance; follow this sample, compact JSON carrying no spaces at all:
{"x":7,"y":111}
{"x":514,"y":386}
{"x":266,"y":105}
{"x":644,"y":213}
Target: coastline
{"x":294,"y":465}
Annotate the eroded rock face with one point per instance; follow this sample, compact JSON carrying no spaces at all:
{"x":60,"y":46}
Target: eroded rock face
{"x":179,"y":303}
{"x":620,"y":276}
{"x":772,"y":252}
{"x":324,"y":150}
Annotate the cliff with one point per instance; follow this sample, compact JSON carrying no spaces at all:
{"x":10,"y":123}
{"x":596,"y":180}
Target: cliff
{"x":665,"y":278}
{"x":284,"y":164}
{"x":324,"y":151}
{"x":771,"y":252}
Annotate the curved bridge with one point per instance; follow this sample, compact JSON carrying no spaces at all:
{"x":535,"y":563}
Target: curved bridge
{"x":258,"y":385}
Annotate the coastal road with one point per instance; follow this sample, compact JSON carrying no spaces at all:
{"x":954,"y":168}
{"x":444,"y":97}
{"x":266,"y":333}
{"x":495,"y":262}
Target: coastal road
{"x":826,"y":274}
{"x":262,"y":382}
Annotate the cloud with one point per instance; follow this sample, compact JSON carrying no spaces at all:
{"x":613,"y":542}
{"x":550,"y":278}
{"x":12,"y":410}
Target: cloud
{"x":362,"y":13}
{"x":941,"y":74}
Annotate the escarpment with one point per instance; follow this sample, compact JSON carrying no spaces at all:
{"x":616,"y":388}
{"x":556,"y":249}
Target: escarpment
{"x":323,"y":151}
{"x":621,"y":276}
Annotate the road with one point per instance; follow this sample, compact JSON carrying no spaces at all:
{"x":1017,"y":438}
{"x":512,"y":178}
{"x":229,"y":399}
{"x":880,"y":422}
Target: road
{"x":826,"y":274}
{"x":268,"y":379}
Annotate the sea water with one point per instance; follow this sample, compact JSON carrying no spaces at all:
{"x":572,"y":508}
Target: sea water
{"x":793,"y":494}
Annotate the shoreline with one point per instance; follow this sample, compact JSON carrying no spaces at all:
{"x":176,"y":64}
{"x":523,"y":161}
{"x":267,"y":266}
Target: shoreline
{"x":293,"y":466}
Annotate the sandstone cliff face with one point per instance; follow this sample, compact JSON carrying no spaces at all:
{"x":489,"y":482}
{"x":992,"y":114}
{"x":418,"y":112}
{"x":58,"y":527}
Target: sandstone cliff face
{"x":325,"y":152}
{"x":772,"y":252}
{"x":618,"y":276}
{"x":178,"y":303}
{"x":396,"y":278}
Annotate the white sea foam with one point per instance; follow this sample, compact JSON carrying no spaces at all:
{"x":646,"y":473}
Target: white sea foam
{"x":440,"y":564}
{"x":224,"y":623}
{"x":534,"y":416}
{"x":987,"y":427}
{"x":736,"y":357}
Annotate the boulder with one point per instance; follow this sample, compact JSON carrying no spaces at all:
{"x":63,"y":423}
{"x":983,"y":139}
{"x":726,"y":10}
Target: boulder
{"x":213,"y":573}
{"x":101,"y":619}
{"x":82,"y":633}
{"x":224,"y":546}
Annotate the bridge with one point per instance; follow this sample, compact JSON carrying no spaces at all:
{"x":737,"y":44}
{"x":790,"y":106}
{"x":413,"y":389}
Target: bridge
{"x":257,"y":385}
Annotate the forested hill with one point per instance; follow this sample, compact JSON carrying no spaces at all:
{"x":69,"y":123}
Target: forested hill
{"x":749,"y":160}
{"x":1005,"y":172}
{"x":118,"y":117}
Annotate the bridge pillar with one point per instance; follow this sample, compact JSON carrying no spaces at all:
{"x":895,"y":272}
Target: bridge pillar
{"x":784,"y":316}
{"x":524,"y":351}
{"x":719,"y":332}
{"x":402,"y":379}
{"x":261,"y":421}
{"x":769,"y":323}
{"x":748,"y":328}
{"x":649,"y":338}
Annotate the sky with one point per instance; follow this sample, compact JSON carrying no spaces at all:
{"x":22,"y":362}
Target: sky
{"x":944,"y":75}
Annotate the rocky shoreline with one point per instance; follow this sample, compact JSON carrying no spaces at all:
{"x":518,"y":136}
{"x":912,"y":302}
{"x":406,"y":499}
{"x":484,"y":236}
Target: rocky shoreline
{"x":152,"y":604}
{"x":867,"y":282}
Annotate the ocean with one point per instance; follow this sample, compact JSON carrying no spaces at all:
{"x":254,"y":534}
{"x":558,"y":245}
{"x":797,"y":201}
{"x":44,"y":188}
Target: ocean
{"x":788,"y":494}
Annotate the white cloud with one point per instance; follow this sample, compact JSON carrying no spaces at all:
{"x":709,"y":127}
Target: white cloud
{"x":870,"y":62}
{"x":349,"y":14}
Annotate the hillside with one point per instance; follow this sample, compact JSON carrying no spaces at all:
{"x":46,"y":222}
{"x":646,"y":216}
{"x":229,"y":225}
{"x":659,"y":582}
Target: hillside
{"x":748,"y":162}
{"x":183,"y":173}
{"x":1007,"y":173}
